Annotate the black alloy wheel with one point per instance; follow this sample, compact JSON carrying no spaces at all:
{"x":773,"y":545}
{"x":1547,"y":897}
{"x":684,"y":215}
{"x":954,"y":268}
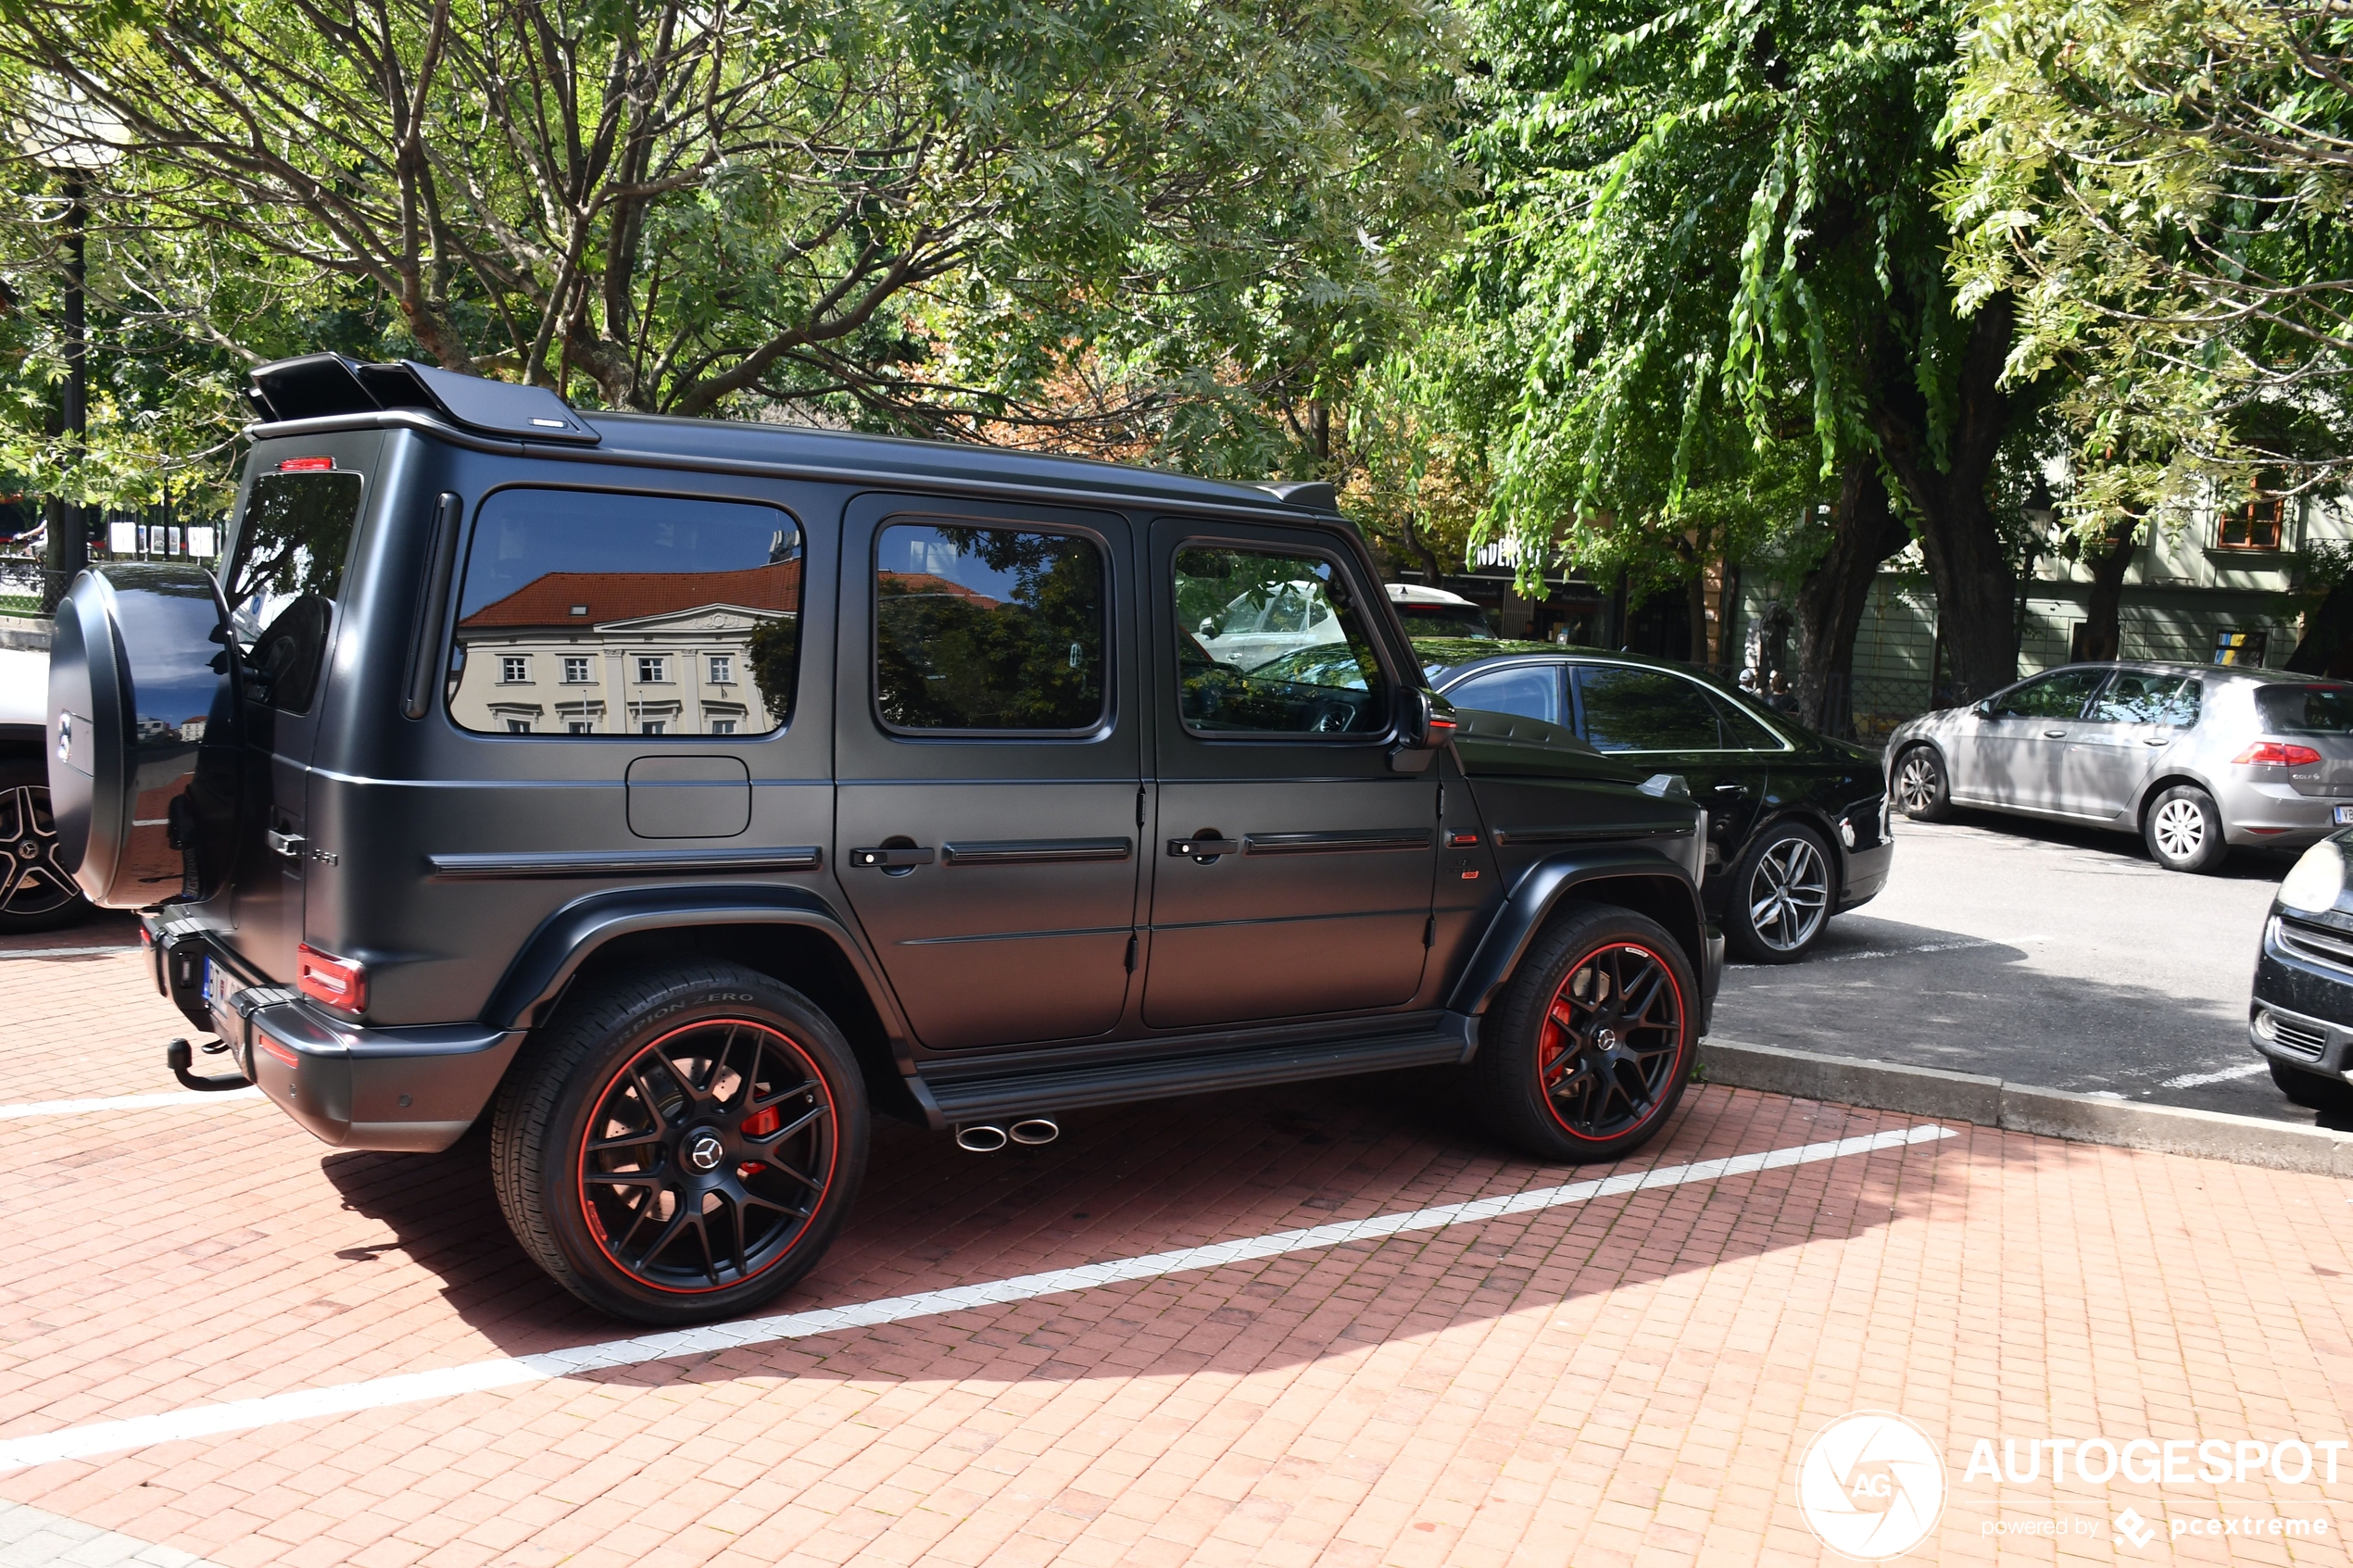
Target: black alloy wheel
{"x":1782,"y":896}
{"x":684,"y":1145}
{"x":1589,"y":1049}
{"x":1922,"y":793}
{"x":36,"y":892}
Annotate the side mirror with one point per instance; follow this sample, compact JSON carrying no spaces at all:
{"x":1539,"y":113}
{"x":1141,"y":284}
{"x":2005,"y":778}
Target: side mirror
{"x":1984,"y":709}
{"x":1427,"y":726}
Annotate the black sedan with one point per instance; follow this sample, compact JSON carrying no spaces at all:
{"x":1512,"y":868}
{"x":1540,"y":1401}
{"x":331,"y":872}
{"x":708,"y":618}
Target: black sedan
{"x":2300,"y":1020}
{"x":1798,"y":826}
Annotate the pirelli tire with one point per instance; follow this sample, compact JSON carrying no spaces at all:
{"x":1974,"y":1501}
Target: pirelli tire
{"x":682,"y":1143}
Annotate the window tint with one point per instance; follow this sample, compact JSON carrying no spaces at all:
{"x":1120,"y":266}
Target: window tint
{"x":636,"y":595}
{"x":1270,"y":643}
{"x":2053,"y":697}
{"x":2136,"y":698}
{"x":283,"y":572}
{"x":1741,"y":730}
{"x":1532,"y":691}
{"x":988,"y":629}
{"x":1630,"y":709}
{"x":2306,"y":711}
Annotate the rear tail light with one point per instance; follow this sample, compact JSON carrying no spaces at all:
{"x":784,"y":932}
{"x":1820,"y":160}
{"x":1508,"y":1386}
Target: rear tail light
{"x":307,"y":465}
{"x":339,"y":982}
{"x":2277,"y":754}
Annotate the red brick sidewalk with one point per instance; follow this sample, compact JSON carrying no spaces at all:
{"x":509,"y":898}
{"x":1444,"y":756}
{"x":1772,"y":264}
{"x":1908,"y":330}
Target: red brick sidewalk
{"x":1630,"y":1379}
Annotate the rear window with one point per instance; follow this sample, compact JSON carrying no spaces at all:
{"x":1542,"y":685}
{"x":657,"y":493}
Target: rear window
{"x":593,"y":613}
{"x":291,"y":541}
{"x":2306,"y":711}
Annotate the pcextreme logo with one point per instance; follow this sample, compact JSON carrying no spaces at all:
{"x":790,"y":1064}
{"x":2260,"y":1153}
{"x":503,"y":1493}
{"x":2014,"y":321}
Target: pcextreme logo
{"x":1871,"y":1485}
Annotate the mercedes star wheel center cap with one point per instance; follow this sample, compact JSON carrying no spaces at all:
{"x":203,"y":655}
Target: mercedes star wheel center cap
{"x":1604,"y":1039}
{"x":704,"y":1152}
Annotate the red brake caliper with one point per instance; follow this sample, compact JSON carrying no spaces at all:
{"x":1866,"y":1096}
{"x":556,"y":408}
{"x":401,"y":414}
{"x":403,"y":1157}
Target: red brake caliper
{"x":759,"y":1126}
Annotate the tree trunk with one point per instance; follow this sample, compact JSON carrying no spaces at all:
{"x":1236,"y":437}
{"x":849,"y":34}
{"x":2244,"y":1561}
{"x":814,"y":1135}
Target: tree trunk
{"x":2328,"y":634}
{"x":1864,"y":532}
{"x":1945,"y":483}
{"x":1727,"y":610}
{"x":2103,"y":637}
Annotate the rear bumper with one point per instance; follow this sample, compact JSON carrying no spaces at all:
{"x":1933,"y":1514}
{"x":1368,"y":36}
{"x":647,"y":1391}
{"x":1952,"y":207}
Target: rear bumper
{"x":2262,"y":813}
{"x":1866,"y":871}
{"x":409,"y":1090}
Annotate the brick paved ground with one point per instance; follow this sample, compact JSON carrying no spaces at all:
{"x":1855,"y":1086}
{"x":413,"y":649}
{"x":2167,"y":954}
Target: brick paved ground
{"x":1629,"y":1380}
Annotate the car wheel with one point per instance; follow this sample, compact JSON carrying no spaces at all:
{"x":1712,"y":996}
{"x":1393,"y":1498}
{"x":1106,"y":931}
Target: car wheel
{"x":1920,"y":790}
{"x":1587,"y":1051}
{"x":683,"y":1143}
{"x":2183,"y":829}
{"x":2314,"y":1091}
{"x":1781,"y":896}
{"x":36,"y":893}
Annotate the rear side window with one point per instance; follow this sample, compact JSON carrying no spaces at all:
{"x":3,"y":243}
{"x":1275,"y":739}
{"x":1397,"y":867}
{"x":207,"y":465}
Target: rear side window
{"x":593,"y":613}
{"x":989,"y":630}
{"x":2135,"y":697}
{"x":1530,"y":691}
{"x":283,"y":573}
{"x":1630,"y":709}
{"x":2306,"y":711}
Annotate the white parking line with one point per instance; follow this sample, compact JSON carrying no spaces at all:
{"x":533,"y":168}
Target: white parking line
{"x":406,"y":1388}
{"x":127,"y":1102}
{"x":2194,"y":1080}
{"x":63,"y":952}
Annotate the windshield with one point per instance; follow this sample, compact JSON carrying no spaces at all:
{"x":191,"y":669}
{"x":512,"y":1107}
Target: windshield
{"x":1445,"y":621}
{"x":2306,"y":711}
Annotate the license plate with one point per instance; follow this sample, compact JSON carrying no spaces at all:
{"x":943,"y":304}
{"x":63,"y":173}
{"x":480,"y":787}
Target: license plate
{"x":2343,"y":816}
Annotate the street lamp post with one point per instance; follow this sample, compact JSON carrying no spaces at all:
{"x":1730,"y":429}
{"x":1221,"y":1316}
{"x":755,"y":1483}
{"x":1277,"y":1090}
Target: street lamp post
{"x":71,"y":137}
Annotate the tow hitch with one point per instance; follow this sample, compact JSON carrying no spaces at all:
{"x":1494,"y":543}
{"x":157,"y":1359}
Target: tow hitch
{"x":179,"y":1056}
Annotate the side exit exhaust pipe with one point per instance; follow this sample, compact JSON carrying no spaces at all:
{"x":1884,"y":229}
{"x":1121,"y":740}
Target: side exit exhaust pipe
{"x":1031,"y":1131}
{"x":986,"y":1138}
{"x":980,"y":1139}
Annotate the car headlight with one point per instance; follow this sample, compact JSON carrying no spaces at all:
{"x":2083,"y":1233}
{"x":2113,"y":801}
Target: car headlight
{"x":2317,"y":880}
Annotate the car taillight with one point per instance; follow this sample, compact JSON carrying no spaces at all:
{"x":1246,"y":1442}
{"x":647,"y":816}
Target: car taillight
{"x":339,"y":982}
{"x":306,"y":465}
{"x":2276,"y":754}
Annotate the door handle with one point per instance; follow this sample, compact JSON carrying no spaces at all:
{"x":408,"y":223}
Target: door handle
{"x":2157,"y":740}
{"x":2054,"y":734}
{"x":1205,"y":846}
{"x":891,"y":860}
{"x":1731,"y":789}
{"x":286,"y":843}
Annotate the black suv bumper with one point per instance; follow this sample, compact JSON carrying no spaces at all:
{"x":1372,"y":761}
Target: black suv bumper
{"x":2303,"y":1001}
{"x":409,"y":1090}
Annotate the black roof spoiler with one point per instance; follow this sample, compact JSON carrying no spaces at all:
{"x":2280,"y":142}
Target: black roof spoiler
{"x":1315,"y":495}
{"x":321,"y":385}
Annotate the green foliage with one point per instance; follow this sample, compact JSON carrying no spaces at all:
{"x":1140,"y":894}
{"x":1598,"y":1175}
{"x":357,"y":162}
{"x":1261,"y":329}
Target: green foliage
{"x":2164,"y":187}
{"x":774,"y":654}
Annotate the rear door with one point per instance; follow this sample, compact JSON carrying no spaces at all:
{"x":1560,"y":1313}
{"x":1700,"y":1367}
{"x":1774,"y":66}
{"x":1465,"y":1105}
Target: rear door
{"x":1292,"y":867}
{"x":2127,"y":728}
{"x":283,"y":576}
{"x":989,"y":787}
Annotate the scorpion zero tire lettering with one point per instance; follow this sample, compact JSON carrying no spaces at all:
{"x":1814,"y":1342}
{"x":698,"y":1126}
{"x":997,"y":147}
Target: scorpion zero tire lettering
{"x":1586,"y":1053}
{"x":682,"y":1143}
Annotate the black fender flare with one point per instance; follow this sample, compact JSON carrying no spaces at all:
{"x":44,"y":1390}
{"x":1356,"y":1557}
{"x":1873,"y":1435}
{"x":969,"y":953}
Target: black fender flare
{"x":1544,"y":885}
{"x":552,"y":955}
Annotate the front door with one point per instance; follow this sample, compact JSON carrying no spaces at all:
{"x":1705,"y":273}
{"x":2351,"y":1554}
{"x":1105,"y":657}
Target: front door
{"x":2014,"y":754}
{"x":1291,"y":865}
{"x":988,"y":790}
{"x":2117,"y":742}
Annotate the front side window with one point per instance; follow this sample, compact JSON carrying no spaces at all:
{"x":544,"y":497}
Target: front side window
{"x":283,"y":572}
{"x":1628,"y":709}
{"x":1269,"y":642}
{"x":2137,"y":698}
{"x":2054,"y":697}
{"x":583,"y":574}
{"x":1529,"y":691}
{"x":990,"y":630}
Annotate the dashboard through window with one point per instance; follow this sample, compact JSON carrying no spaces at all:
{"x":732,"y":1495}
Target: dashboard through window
{"x":1270,"y":643}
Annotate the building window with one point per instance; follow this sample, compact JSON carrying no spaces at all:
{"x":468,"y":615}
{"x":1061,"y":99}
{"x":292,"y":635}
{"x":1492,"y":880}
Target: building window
{"x":722,"y":669}
{"x":652,"y":670}
{"x":2254,"y":524}
{"x":723,"y":726}
{"x":579,"y":727}
{"x":514,"y":670}
{"x":519,"y":726}
{"x":575,"y":671}
{"x":649,"y":726}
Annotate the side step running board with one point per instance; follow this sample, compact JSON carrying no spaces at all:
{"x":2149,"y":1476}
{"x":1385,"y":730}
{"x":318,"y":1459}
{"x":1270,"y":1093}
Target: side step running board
{"x":983,"y":1098}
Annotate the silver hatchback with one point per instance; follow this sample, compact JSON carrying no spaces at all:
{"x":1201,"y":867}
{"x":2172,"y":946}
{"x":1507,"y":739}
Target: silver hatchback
{"x":2193,"y":757}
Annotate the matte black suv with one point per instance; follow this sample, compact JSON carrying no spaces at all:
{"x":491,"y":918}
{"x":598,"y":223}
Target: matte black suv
{"x":673,"y":792}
